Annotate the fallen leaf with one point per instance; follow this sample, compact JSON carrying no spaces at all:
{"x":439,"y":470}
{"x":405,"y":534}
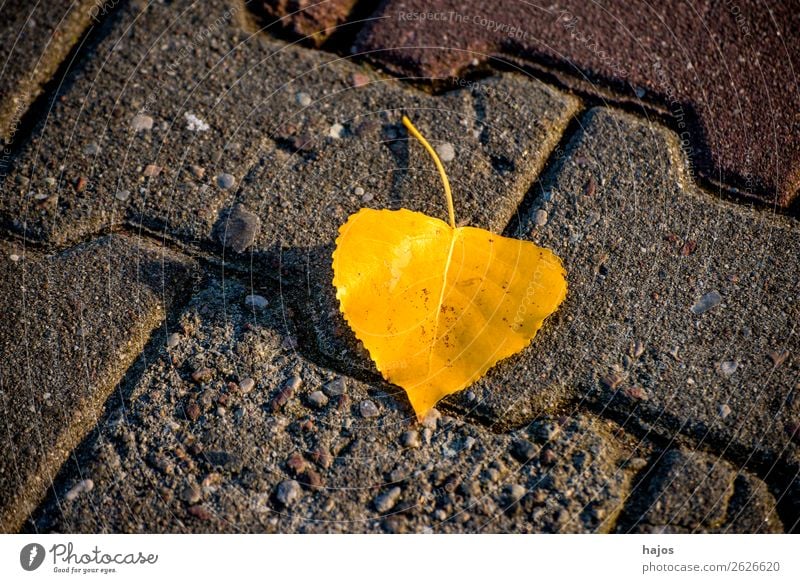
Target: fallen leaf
{"x":437,"y":305}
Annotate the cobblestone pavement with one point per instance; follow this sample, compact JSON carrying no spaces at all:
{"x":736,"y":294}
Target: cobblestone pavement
{"x":173,"y":355}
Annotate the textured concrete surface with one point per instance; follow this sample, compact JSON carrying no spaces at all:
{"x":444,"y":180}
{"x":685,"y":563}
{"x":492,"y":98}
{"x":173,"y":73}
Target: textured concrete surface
{"x":661,"y":397}
{"x":724,"y":71}
{"x":647,"y":256}
{"x":35,"y":39}
{"x":148,"y":133}
{"x":131,"y":156}
{"x":198,"y":448}
{"x":693,"y":492}
{"x":73,"y":323}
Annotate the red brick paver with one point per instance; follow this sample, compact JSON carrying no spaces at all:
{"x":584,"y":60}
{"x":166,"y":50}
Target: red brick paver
{"x":726,"y":71}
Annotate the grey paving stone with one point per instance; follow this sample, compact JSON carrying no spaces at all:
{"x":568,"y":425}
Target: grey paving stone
{"x":695,"y":492}
{"x":73,"y":323}
{"x":158,"y":125}
{"x":150,"y":134}
{"x":35,"y":39}
{"x":235,"y":466}
{"x":642,"y":247}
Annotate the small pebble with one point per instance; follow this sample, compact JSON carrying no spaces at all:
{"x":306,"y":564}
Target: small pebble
{"x":194,"y":123}
{"x":247,"y":385}
{"x":358,"y":80}
{"x":191,"y":494}
{"x":446,"y":152}
{"x":122,"y":195}
{"x":336,"y":131}
{"x":198,"y":171}
{"x":548,"y":456}
{"x":142,"y":123}
{"x":202,"y":375}
{"x":708,"y":301}
{"x":91,"y":149}
{"x":285,"y":393}
{"x":225,"y":181}
{"x":256,"y":301}
{"x":386,"y":501}
{"x":612,"y":380}
{"x":592,"y":219}
{"x":193,"y":411}
{"x":173,"y":340}
{"x":540,"y":218}
{"x":728,"y":367}
{"x":200,"y":512}
{"x":724,"y":410}
{"x":523,"y":450}
{"x":431,"y":419}
{"x":637,"y":464}
{"x":368,"y":409}
{"x":688,"y":247}
{"x":241,"y":229}
{"x":78,"y":489}
{"x":358,"y":191}
{"x":288,"y":492}
{"x":296,"y":464}
{"x":311,"y":478}
{"x":514,"y":493}
{"x":317,"y":399}
{"x":591,"y":187}
{"x":411,"y":439}
{"x":303,"y":99}
{"x":545,"y":431}
{"x":322,"y":457}
{"x":151,"y":170}
{"x":638,"y":393}
{"x":367,"y":197}
{"x":335,"y":388}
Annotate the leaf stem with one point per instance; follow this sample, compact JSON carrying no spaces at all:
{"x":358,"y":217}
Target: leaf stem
{"x":449,"y":195}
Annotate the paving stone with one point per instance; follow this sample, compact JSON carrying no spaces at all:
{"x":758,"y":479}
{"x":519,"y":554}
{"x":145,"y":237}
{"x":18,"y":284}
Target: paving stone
{"x":711,"y":65}
{"x":457,"y":478}
{"x":626,"y":338}
{"x":158,"y":125}
{"x":695,"y":492}
{"x":73,"y":323}
{"x":36,"y":38}
{"x":313,"y":22}
{"x":57,"y":193}
{"x":504,"y":128}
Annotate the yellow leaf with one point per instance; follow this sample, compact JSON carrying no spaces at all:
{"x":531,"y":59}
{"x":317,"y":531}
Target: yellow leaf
{"x":437,"y":305}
